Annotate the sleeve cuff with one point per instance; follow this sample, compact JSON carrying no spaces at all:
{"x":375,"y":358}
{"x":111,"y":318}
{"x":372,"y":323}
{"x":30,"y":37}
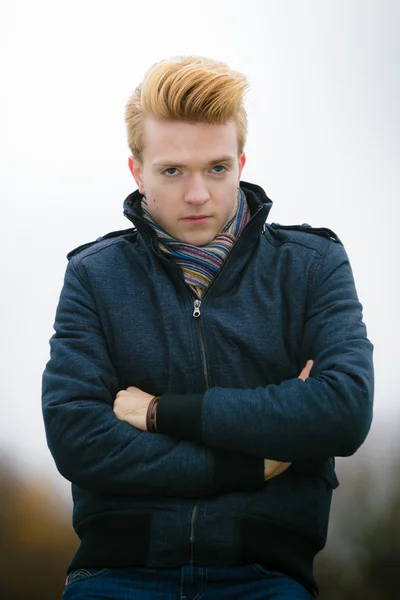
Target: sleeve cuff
{"x":179,"y":415}
{"x":237,"y":472}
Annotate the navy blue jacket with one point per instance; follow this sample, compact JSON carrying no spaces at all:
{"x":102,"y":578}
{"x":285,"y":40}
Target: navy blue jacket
{"x":194,"y":493}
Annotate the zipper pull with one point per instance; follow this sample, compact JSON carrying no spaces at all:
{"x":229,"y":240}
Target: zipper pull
{"x":197,"y":304}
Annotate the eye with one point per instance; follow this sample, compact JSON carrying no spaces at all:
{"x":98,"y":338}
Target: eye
{"x":171,"y":172}
{"x":218,"y":169}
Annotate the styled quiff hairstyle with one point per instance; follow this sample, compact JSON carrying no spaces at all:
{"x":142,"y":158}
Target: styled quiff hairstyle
{"x":191,"y":89}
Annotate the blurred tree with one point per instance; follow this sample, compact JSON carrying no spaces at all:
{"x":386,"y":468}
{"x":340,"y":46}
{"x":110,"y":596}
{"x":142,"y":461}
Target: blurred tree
{"x":367,"y":566}
{"x":36,"y":539}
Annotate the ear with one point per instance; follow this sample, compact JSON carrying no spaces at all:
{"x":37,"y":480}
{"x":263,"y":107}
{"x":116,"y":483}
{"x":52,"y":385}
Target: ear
{"x":135,"y":168}
{"x":242,"y":162}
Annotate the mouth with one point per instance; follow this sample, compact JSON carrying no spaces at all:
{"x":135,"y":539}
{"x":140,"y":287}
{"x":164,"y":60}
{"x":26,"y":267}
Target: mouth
{"x":196,"y":219}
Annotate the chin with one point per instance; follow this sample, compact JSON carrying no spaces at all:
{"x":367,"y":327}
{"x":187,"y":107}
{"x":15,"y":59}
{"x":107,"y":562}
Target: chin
{"x":200,"y":241}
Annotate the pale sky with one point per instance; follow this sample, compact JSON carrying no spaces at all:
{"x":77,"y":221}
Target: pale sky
{"x":324,"y":131}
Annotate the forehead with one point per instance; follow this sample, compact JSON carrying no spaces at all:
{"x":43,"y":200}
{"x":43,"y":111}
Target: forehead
{"x":177,"y":141}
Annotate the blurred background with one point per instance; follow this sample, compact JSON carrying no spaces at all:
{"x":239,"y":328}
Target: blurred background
{"x":324,"y":131}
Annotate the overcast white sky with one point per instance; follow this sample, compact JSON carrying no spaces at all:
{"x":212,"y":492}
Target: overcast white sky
{"x":324,"y":115}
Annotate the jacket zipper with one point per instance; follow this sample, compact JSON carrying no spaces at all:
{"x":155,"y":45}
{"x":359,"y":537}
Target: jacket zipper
{"x":196,"y":311}
{"x":196,"y":315}
{"x":191,"y":536}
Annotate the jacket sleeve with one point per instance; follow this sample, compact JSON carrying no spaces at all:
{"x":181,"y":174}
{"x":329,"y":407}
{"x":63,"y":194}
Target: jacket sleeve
{"x":327,"y":415}
{"x":98,"y":452}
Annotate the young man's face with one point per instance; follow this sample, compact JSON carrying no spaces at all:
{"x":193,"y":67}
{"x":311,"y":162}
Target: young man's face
{"x":190,"y":174}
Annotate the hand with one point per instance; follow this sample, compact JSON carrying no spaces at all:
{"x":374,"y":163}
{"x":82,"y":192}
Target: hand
{"x":131,"y":405}
{"x":272,"y":468}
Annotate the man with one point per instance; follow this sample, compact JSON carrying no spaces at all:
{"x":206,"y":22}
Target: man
{"x":179,"y":398}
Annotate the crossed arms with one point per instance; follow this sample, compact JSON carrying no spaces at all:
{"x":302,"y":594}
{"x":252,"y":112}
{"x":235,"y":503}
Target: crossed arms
{"x":132,"y":406}
{"x":326,"y":414}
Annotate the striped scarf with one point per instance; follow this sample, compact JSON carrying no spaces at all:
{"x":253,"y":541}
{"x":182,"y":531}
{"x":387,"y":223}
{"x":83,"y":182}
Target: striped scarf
{"x":200,"y":264}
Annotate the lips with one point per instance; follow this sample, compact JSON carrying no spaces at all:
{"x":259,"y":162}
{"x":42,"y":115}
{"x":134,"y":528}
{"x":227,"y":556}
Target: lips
{"x":196,"y":219}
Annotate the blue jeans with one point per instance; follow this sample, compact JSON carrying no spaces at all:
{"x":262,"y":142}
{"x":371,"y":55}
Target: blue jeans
{"x":252,"y":582}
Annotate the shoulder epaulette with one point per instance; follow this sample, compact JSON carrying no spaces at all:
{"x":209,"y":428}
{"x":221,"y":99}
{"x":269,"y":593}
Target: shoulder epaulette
{"x":321,"y":231}
{"x":113,"y":234}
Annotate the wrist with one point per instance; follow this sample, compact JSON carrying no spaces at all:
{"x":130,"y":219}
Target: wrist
{"x":151,"y":422}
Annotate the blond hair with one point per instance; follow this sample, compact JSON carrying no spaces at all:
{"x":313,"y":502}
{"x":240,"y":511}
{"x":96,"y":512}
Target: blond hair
{"x":191,"y":89}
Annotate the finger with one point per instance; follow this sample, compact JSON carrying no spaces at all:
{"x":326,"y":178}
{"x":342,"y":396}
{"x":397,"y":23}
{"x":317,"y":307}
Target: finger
{"x":278,"y":470}
{"x":305,"y":373}
{"x":274,"y":467}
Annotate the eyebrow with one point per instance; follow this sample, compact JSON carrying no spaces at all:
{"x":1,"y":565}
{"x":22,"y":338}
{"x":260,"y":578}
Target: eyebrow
{"x":214,"y":161}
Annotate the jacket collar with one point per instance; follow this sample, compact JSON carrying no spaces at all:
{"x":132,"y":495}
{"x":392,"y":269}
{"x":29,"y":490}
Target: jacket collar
{"x":258,"y":202}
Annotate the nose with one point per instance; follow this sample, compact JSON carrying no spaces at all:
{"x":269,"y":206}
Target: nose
{"x":196,"y":191}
